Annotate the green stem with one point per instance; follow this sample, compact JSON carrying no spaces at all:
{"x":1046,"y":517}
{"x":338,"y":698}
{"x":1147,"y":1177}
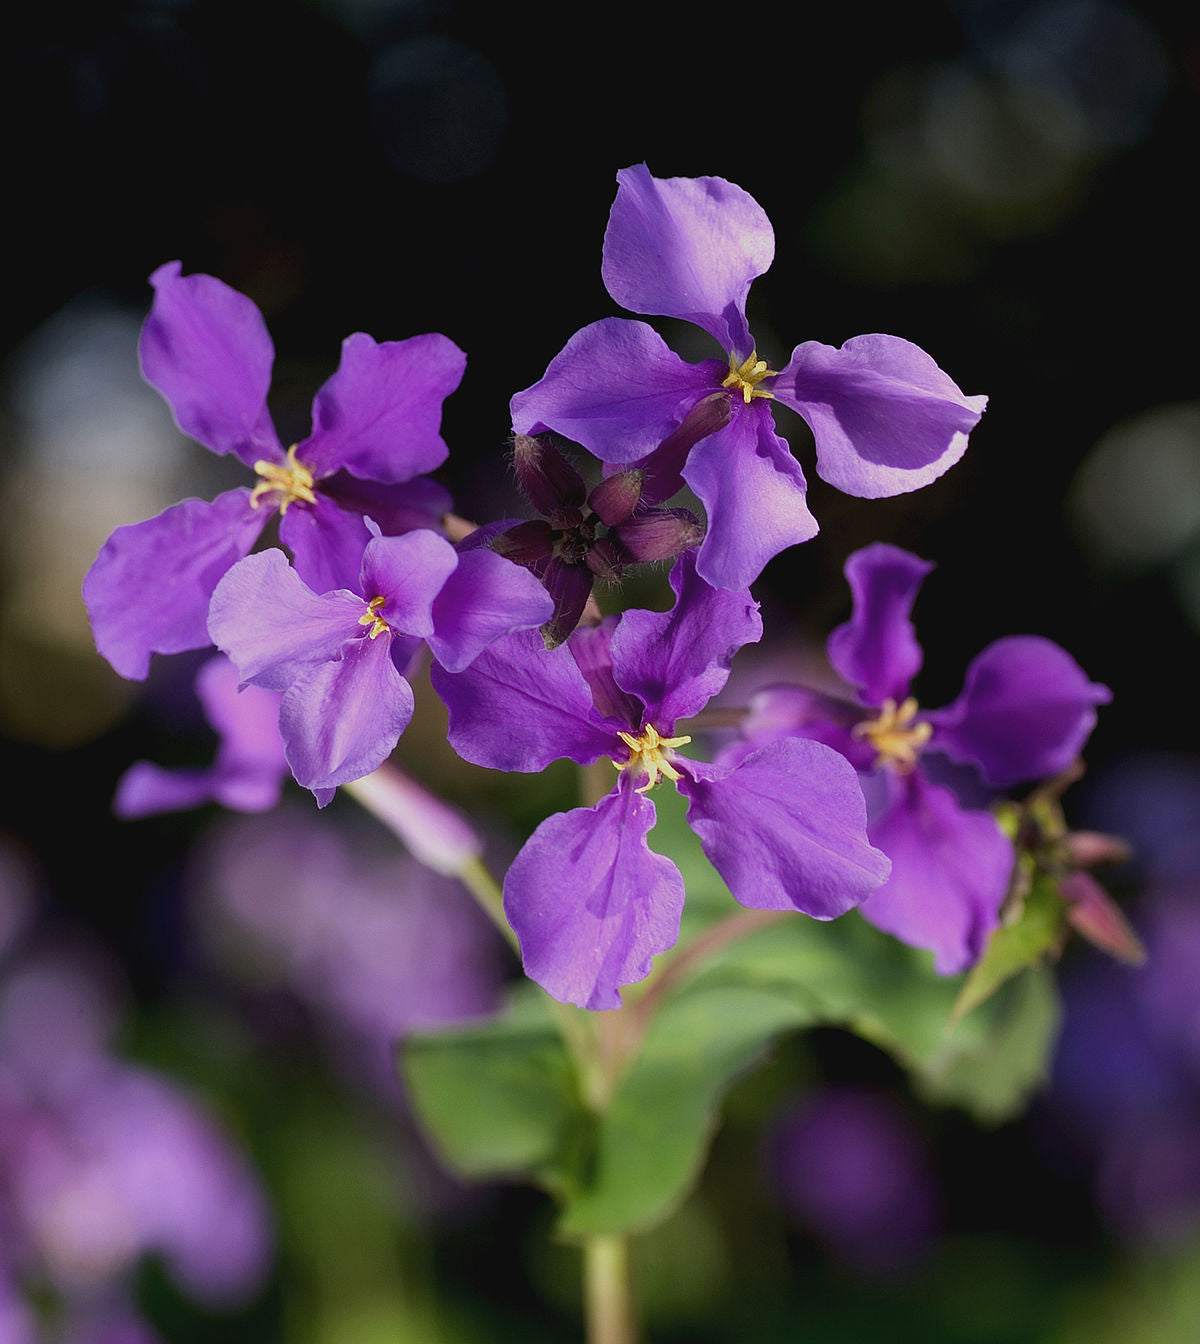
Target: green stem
{"x":607,"y":1292}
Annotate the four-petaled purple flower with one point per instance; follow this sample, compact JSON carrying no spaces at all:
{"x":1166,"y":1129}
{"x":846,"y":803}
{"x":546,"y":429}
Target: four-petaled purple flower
{"x":340,"y":657}
{"x":1024,"y":713}
{"x":885,"y":418}
{"x":591,"y":903}
{"x":375,"y":432}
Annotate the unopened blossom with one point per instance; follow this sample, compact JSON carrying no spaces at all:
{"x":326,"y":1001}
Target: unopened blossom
{"x":339,"y":658}
{"x":586,"y":535}
{"x":590,"y":901}
{"x":1024,"y":713}
{"x":376,"y":430}
{"x":885,"y":418}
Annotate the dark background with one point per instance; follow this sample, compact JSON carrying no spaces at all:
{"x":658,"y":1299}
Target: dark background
{"x":1011,"y":186}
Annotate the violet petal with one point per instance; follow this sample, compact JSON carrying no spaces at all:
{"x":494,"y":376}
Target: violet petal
{"x":380,"y":414}
{"x":950,"y":873}
{"x":885,"y":418}
{"x":205,"y":348}
{"x":148,"y":590}
{"x":755,"y":496}
{"x":687,"y":247}
{"x":786,"y":829}
{"x":485,"y":598}
{"x":615,"y":387}
{"x":408,"y":572}
{"x":876,"y":650}
{"x":1025,"y":711}
{"x":340,"y":720}
{"x":590,"y":901}
{"x":326,"y":542}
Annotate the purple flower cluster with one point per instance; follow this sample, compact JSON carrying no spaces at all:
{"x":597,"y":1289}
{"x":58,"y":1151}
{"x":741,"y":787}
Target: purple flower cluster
{"x":526,"y":667}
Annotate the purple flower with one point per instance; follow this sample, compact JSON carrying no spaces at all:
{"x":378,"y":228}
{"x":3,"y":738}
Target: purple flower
{"x":1024,"y":713}
{"x":885,"y":418}
{"x":375,"y":431}
{"x":590,"y":902}
{"x":248,"y":772}
{"x":339,"y":658}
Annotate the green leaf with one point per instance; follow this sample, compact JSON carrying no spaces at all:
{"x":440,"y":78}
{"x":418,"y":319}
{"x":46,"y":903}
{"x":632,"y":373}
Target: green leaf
{"x":500,"y":1098}
{"x":1037,"y":930}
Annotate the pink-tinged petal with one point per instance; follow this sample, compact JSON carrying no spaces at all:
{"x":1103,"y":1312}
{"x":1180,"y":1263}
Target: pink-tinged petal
{"x":687,"y":247}
{"x":485,"y":598}
{"x":1025,"y":711}
{"x":950,"y":872}
{"x":380,"y":415}
{"x":342,"y":719}
{"x":149,"y":588}
{"x":434,"y":832}
{"x":786,"y":829}
{"x":520,"y":706}
{"x":754,"y":494}
{"x":590,"y":901}
{"x":885,"y":418}
{"x":205,"y":348}
{"x":408,"y":572}
{"x":1094,"y":914}
{"x":616,"y":388}
{"x":273,"y":626}
{"x":326,"y":543}
{"x":676,"y":661}
{"x":877,"y":650}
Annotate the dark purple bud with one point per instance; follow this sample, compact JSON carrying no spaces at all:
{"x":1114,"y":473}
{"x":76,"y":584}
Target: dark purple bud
{"x":660,"y":535}
{"x":663,"y":466}
{"x":570,"y":586}
{"x":605,"y":558}
{"x":528,"y":544}
{"x":549,"y":480}
{"x":614,"y":499}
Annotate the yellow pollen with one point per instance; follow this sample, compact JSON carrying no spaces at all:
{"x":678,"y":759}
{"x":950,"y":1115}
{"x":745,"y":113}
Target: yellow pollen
{"x":291,"y":482}
{"x":895,"y":737}
{"x":747,"y":375}
{"x":650,"y":753}
{"x":372,"y":618}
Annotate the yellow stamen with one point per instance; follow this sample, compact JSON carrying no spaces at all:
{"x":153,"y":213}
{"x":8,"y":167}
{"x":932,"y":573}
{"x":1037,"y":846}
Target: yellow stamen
{"x":291,"y":482}
{"x":372,"y":618}
{"x":895,"y":737}
{"x":747,"y":375}
{"x":650,"y":753}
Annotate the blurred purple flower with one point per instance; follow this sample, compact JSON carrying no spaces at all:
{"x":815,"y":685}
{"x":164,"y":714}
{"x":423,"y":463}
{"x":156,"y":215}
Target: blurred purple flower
{"x":848,"y":1165}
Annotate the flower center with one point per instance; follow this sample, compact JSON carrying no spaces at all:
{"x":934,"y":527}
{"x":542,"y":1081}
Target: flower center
{"x":895,"y":737}
{"x":290,"y":482}
{"x":747,"y":375}
{"x":650,"y":754}
{"x":372,"y":618}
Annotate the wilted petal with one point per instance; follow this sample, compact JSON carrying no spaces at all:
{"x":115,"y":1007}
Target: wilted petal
{"x":885,"y":418}
{"x":876,"y":650}
{"x":342,"y":719}
{"x":408,"y":572}
{"x":520,"y":706}
{"x":676,"y":661}
{"x":273,"y":626}
{"x":380,"y":414}
{"x":205,"y":348}
{"x":950,"y":873}
{"x":687,"y":247}
{"x":326,"y":542}
{"x":616,"y":388}
{"x":484,"y":598}
{"x":786,"y":829}
{"x":1025,"y":711}
{"x":591,"y":902}
{"x":149,"y":588}
{"x":755,"y":496}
